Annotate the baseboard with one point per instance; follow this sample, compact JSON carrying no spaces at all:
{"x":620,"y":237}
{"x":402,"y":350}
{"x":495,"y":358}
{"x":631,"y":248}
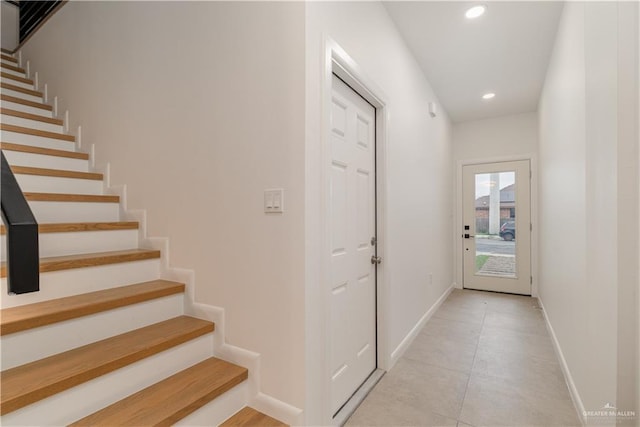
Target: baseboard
{"x":408,"y":340}
{"x":251,"y":360}
{"x":277,"y":409}
{"x":573,"y":391}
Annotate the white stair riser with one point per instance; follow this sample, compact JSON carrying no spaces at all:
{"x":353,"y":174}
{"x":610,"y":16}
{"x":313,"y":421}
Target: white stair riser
{"x":75,"y":211}
{"x":52,"y":184}
{"x":219,"y":409}
{"x":31,"y":124}
{"x":84,"y":399}
{"x":5,"y":61}
{"x":19,"y":158}
{"x":37,"y":141}
{"x":60,"y":244}
{"x":34,"y":344}
{"x":12,"y":72}
{"x":17,"y":83}
{"x":21,"y":95}
{"x":26,"y":109}
{"x":64,"y":283}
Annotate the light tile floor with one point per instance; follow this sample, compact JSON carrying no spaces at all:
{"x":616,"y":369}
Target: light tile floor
{"x":483,"y":359}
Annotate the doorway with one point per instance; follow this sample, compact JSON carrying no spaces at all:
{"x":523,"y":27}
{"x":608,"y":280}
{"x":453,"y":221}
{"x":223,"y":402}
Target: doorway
{"x":496,"y":228}
{"x":353,"y":248}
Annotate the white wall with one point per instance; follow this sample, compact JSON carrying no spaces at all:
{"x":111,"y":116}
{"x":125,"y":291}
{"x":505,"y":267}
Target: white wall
{"x":499,"y":138}
{"x":637,"y":135}
{"x":588,"y":268}
{"x":418,"y":173}
{"x":199,"y":106}
{"x":562,"y":185}
{"x":505,"y":136}
{"x":10,"y":24}
{"x":628,"y":208}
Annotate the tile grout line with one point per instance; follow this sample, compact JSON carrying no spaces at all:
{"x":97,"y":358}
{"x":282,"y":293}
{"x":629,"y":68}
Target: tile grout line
{"x":461,"y":330}
{"x":466,"y":388}
{"x":448,"y":368}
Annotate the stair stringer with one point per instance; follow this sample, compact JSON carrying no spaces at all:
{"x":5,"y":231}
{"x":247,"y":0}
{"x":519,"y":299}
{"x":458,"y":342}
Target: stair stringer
{"x":221,"y":349}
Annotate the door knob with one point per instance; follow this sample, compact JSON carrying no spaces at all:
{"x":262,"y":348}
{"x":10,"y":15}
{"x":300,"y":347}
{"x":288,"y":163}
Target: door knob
{"x":376,"y":259}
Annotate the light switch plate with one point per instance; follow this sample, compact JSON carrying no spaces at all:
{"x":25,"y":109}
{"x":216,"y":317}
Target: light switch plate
{"x":274,"y":200}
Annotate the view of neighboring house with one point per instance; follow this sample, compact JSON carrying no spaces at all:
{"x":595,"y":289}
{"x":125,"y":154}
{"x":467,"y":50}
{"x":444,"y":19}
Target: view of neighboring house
{"x":507,"y":209}
{"x":507,"y":204}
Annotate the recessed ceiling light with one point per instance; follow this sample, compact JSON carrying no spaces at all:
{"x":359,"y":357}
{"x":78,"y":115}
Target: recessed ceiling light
{"x":488,"y":95}
{"x":475,"y":11}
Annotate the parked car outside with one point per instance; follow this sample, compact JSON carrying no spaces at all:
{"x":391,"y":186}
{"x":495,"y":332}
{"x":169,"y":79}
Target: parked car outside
{"x":508,"y":231}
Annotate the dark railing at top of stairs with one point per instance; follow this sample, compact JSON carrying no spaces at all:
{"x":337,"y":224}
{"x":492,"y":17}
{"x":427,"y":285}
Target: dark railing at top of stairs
{"x":32,"y":13}
{"x":23,"y":263}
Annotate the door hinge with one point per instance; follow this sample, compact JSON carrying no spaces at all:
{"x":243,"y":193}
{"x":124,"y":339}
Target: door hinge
{"x":531,"y":280}
{"x":530,"y":227}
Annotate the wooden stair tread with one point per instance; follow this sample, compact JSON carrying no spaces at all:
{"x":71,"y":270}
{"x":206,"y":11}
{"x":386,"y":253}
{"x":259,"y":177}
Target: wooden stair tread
{"x":9,"y":58}
{"x":58,"y":173}
{"x":16,"y":319}
{"x":170,"y":400}
{"x":20,"y":89}
{"x":44,"y":151}
{"x":68,"y":262}
{"x":16,"y":78}
{"x":23,"y":115}
{"x":13,"y":67}
{"x":37,"y":380}
{"x":37,"y":132}
{"x":71,"y":227}
{"x":33,"y":104}
{"x":249,"y":417}
{"x":61,"y":197}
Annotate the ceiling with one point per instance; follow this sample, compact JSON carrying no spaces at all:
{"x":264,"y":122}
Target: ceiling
{"x":505,"y":51}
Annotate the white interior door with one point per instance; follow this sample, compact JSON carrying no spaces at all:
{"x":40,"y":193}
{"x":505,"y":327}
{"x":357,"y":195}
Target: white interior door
{"x":496,"y":229}
{"x":352,"y":228}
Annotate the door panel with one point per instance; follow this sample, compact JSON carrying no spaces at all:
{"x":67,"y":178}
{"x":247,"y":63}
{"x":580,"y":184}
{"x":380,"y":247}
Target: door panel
{"x":496,"y":228}
{"x":352,"y":213}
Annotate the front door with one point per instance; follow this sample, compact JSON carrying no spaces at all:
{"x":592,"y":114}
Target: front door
{"x":352,"y":225}
{"x":496,"y":228}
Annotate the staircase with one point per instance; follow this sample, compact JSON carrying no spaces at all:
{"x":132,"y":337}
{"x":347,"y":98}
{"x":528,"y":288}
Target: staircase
{"x":106,"y":340}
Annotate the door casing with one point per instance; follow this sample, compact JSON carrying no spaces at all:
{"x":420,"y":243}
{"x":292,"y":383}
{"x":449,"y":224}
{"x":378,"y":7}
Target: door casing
{"x":520,"y":283}
{"x":337,"y":61}
{"x":458,"y":223}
